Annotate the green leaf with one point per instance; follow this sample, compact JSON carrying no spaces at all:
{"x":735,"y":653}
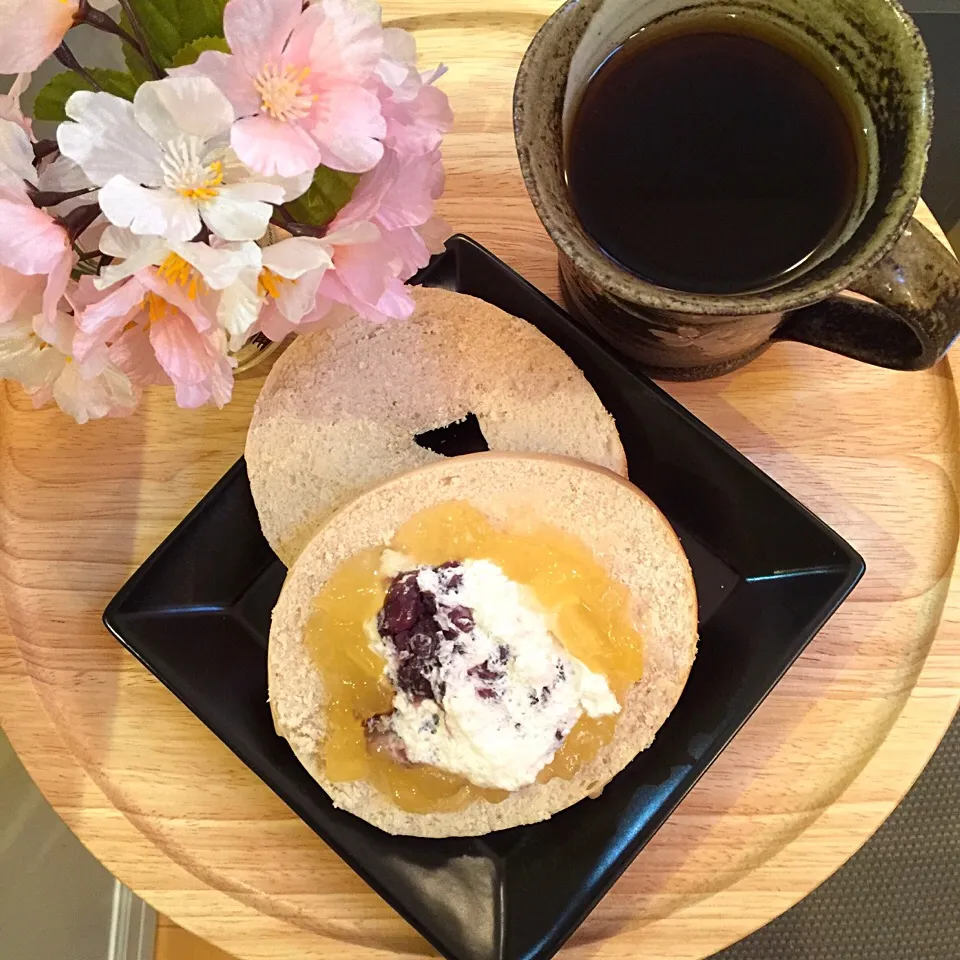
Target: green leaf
{"x":189,"y":53}
{"x":117,"y":82}
{"x":329,"y":193}
{"x":160,"y":20}
{"x":51,"y":100}
{"x":201,"y":18}
{"x":170,"y":25}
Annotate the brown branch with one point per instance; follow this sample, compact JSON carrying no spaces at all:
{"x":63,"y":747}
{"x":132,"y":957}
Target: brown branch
{"x":100,"y":21}
{"x":76,"y":221}
{"x":141,"y":35}
{"x":66,"y":57}
{"x":286,"y":222}
{"x":44,"y":148}
{"x":50,"y":198}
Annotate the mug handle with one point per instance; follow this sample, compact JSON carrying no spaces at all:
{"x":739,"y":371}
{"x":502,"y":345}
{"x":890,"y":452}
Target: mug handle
{"x":915,"y":316}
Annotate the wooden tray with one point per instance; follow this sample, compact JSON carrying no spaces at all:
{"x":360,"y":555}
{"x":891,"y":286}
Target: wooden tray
{"x":170,"y":810}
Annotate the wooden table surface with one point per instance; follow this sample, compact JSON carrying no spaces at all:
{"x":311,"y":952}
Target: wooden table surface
{"x":178,"y":818}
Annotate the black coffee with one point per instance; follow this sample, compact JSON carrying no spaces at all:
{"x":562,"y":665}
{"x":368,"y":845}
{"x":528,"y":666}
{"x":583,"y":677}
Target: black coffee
{"x":709,"y":159}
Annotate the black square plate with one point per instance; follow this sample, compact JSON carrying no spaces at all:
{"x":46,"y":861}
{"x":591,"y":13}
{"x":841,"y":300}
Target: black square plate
{"x":768,"y":575}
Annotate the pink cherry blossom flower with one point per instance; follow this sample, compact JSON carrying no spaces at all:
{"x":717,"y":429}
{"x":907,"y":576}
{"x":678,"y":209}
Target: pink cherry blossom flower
{"x":36,"y":256}
{"x":417,"y":125}
{"x":30,"y":30}
{"x":212,"y":271}
{"x":397,"y":198}
{"x":159,"y":324}
{"x":397,"y":69}
{"x":367,"y":278}
{"x":292,"y":275}
{"x":302,"y":83}
{"x":35,"y":250}
{"x":416,"y":111}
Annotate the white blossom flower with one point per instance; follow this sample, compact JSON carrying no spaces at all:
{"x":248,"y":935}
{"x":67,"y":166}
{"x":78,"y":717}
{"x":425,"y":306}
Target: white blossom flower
{"x":37,"y":353}
{"x":161,"y":312}
{"x":193,"y":266}
{"x":280,"y":293}
{"x":164,"y":163}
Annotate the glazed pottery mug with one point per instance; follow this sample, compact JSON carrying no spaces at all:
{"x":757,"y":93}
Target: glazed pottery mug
{"x":908,"y":311}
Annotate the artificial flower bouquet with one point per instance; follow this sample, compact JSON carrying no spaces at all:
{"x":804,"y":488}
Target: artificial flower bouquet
{"x":259,"y":168}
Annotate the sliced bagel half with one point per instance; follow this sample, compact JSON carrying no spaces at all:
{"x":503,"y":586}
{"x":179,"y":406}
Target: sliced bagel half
{"x":343,"y":408}
{"x":620,"y":525}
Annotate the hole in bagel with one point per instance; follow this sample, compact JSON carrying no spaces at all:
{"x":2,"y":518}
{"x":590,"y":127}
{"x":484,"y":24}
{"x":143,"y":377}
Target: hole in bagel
{"x":455,"y":439}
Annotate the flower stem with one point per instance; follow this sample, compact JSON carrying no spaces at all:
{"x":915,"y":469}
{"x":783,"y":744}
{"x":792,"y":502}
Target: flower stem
{"x":76,"y":221}
{"x":84,"y":268}
{"x":100,"y":21}
{"x":66,"y":57}
{"x":50,"y":198}
{"x":44,"y":148}
{"x":286,"y":222}
{"x":140,"y":34}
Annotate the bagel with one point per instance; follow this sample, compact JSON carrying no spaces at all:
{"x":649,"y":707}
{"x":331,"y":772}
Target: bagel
{"x":616,"y":522}
{"x":340,"y":410}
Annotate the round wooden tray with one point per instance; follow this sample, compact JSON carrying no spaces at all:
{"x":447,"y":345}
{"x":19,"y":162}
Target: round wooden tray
{"x":179,"y":819}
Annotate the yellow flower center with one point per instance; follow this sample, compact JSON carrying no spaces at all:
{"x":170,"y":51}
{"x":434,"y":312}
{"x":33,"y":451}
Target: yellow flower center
{"x":155,"y":307}
{"x":187,"y":169}
{"x":269,"y":283}
{"x":282,"y":92}
{"x":207,"y":188}
{"x":178,"y":273}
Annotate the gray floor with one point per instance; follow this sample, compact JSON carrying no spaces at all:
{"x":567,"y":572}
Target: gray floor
{"x":56,"y":901}
{"x":939,"y":22}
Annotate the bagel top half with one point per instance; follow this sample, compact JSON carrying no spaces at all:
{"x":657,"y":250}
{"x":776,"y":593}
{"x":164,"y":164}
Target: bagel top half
{"x":341,"y":409}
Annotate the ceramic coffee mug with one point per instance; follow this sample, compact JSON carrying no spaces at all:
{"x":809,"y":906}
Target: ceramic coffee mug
{"x":912,"y":282}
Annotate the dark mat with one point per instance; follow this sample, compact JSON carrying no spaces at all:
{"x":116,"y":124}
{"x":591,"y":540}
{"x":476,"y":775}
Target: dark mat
{"x":939,"y":23}
{"x":897,"y":898}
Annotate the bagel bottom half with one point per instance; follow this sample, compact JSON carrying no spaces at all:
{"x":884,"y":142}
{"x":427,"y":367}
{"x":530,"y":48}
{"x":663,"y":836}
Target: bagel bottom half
{"x":627,"y":534}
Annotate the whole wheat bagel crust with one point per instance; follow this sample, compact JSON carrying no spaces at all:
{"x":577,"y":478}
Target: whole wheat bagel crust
{"x":623,"y":528}
{"x":339,"y":411}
